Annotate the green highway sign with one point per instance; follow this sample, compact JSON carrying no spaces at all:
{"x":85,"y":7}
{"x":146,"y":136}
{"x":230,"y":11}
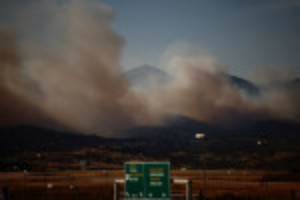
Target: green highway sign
{"x":147,"y":181}
{"x":157,"y":180}
{"x":134,"y":180}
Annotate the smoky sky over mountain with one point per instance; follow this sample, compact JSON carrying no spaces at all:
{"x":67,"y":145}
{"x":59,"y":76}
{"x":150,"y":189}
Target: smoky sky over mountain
{"x":66,"y":67}
{"x":60,"y":64}
{"x":202,"y":90}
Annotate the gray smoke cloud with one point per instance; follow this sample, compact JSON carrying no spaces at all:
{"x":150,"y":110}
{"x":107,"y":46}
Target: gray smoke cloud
{"x":14,"y":108}
{"x":60,"y":68}
{"x":272,"y":75}
{"x":281,"y":91}
{"x":66,"y":66}
{"x":201,"y":89}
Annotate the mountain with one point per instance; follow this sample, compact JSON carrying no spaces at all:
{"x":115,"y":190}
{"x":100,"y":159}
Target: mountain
{"x":147,"y":76}
{"x":30,"y":138}
{"x":244,"y":85}
{"x":292,"y":84}
{"x":295,"y":83}
{"x":225,"y":147}
{"x":279,"y":144}
{"x":183,"y":128}
{"x":175,"y":128}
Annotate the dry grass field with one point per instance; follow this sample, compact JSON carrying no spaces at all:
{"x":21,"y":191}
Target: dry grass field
{"x":98,"y":185}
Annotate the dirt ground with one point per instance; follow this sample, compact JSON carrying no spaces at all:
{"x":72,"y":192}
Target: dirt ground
{"x":98,"y":185}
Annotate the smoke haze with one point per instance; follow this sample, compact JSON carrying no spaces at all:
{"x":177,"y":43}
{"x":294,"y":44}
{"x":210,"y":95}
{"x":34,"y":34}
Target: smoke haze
{"x":72,"y":62}
{"x":60,"y":68}
{"x":201,"y":89}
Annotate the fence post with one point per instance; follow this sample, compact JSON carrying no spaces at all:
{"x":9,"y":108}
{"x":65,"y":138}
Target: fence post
{"x":116,"y":188}
{"x":293,"y":195}
{"x":188,"y":187}
{"x":189,"y":190}
{"x":5,"y":192}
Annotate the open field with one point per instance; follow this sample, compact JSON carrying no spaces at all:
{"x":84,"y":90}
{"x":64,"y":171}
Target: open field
{"x":92,"y":185}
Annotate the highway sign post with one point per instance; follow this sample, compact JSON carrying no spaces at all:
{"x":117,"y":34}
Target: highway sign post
{"x":147,"y":181}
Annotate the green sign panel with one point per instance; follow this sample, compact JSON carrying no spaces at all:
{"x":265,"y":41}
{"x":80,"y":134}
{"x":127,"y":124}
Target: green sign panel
{"x":147,"y":181}
{"x":134,"y":180}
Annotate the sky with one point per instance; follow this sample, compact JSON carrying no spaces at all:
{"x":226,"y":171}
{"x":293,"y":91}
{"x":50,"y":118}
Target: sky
{"x":62,"y":62}
{"x":242,"y":35}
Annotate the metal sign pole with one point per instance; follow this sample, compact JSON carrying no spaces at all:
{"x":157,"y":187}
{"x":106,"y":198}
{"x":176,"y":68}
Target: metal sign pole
{"x":116,"y":188}
{"x":188,"y":187}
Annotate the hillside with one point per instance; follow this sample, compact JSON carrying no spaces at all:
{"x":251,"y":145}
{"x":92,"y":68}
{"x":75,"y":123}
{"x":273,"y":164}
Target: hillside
{"x":146,"y":76}
{"x":264,"y":144}
{"x":29,"y":138}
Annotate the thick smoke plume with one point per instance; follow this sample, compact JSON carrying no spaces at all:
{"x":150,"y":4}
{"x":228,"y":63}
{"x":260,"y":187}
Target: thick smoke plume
{"x":59,"y":66}
{"x":202,"y":89}
{"x":14,"y":108}
{"x":65,"y":67}
{"x":281,"y":91}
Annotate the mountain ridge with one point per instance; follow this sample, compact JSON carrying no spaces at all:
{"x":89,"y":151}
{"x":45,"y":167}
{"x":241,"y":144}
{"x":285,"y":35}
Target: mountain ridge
{"x":147,"y":76}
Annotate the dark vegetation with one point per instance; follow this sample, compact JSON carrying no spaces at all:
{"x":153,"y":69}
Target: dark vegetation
{"x":263,"y":144}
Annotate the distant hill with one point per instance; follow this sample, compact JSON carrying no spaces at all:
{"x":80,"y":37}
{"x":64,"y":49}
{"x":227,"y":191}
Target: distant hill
{"x":174,"y":141}
{"x":244,"y":85}
{"x":147,"y":76}
{"x":293,"y":84}
{"x":30,"y":138}
{"x":250,"y":141}
{"x":184,"y":128}
{"x":175,"y":128}
{"x":175,"y":133}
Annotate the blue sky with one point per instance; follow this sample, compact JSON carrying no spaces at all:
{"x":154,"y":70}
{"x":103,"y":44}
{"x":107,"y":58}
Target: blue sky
{"x":240,"y":34}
